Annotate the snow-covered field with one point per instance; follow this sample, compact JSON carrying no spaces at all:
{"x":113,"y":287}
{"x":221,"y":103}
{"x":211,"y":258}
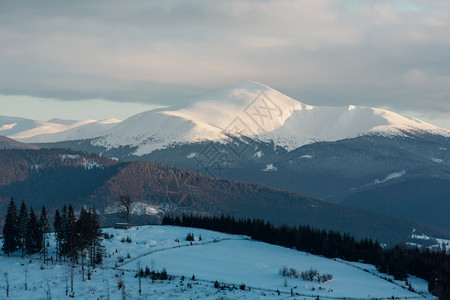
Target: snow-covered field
{"x":231,"y":260}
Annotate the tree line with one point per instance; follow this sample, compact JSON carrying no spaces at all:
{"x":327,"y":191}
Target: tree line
{"x":399,"y":261}
{"x":24,"y":231}
{"x":78,"y":237}
{"x":75,"y":237}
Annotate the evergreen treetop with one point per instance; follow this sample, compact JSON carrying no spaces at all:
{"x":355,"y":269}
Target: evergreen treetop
{"x":10,"y":229}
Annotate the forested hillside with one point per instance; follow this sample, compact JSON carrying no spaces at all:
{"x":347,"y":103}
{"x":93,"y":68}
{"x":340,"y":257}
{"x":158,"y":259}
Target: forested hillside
{"x":57,"y":177}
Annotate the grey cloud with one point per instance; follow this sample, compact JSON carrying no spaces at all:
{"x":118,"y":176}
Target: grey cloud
{"x":383,"y":53}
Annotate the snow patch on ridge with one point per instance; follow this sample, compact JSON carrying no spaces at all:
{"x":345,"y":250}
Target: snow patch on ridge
{"x":391,"y":176}
{"x":138,"y":208}
{"x":191,"y":155}
{"x":438,"y":243}
{"x":7,"y":126}
{"x":270,"y":167}
{"x":141,"y":208}
{"x":437,"y":160}
{"x":258,"y":154}
{"x":69,"y":156}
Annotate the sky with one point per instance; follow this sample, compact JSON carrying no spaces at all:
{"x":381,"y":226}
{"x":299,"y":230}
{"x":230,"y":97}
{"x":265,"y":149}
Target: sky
{"x":101,"y":59}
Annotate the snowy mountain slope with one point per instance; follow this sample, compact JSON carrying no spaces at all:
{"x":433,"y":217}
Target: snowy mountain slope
{"x":233,"y":260}
{"x":42,"y":127}
{"x":247,"y":108}
{"x":76,"y":131}
{"x":259,"y":112}
{"x":13,"y":125}
{"x":55,"y":130}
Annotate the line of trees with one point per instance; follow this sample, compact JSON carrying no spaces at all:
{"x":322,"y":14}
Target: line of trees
{"x":78,"y":237}
{"x":24,"y":231}
{"x":75,"y":237}
{"x":399,"y":261}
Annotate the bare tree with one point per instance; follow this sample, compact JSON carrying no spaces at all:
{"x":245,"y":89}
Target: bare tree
{"x":107,"y":290}
{"x":66,"y":279}
{"x":7,"y":284}
{"x":125,"y":204}
{"x":82,"y":265}
{"x":72,"y":292}
{"x":47,"y":290}
{"x":152,"y":265}
{"x":139,"y":274}
{"x":89,"y":272}
{"x":26,"y":277}
{"x":121,"y":286}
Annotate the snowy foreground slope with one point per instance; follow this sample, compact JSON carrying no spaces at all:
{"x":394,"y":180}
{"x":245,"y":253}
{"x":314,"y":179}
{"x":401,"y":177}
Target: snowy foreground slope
{"x":231,"y":260}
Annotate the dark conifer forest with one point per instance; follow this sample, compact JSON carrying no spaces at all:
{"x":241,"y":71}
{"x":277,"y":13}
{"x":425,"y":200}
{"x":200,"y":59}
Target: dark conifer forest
{"x":59,"y":176}
{"x":75,"y":237}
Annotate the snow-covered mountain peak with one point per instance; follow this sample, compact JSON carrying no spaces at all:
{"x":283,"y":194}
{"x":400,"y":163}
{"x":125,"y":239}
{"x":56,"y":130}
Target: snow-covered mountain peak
{"x":109,"y":121}
{"x":257,"y":111}
{"x":246,"y":108}
{"x":241,"y":95}
{"x":256,"y":107}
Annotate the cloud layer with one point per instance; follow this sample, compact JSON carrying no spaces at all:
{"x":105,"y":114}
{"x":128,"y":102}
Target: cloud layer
{"x":378,"y":53}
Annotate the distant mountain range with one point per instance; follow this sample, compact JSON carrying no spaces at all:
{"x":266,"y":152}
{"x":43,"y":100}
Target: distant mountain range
{"x":246,"y":109}
{"x":30,"y":131}
{"x":362,"y":157}
{"x":7,"y":143}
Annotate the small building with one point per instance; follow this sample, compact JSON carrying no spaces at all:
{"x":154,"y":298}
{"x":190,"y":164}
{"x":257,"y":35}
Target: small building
{"x":122,"y":225}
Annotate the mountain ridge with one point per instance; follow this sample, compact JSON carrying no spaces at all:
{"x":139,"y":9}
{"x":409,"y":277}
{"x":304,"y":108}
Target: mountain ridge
{"x":7,"y":143}
{"x":247,"y":109}
{"x":323,"y":152}
{"x":56,"y":177}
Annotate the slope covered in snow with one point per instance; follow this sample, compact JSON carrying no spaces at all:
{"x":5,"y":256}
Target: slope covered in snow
{"x":77,"y":131}
{"x":60,"y":130}
{"x":10,"y":126}
{"x":259,"y":112}
{"x":231,"y":260}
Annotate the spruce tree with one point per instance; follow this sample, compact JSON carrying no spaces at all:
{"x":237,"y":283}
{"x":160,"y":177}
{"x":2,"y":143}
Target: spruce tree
{"x":97,"y":248}
{"x":22,"y":226}
{"x":33,"y":237}
{"x":64,"y":231}
{"x":83,"y":230}
{"x":38,"y":237}
{"x":57,"y":225}
{"x":78,"y":236}
{"x":29,"y":236}
{"x":10,"y":229}
{"x":44,"y":228}
{"x":71,"y":233}
{"x":83,"y":236}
